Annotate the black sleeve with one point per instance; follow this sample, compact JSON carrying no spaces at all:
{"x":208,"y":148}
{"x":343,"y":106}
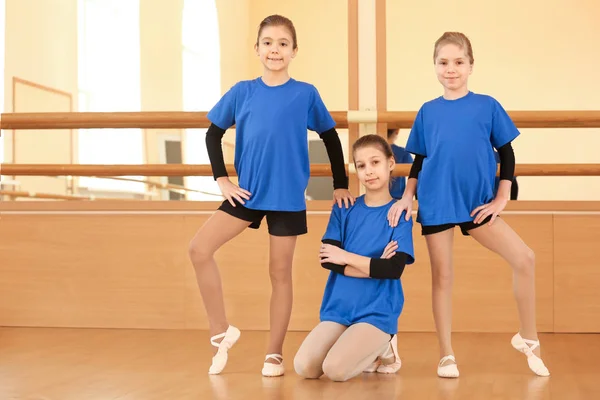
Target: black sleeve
{"x":388,"y":268}
{"x":336,"y":158}
{"x":514,"y":189}
{"x":507,"y":162}
{"x":416,"y":167}
{"x":331,"y":266}
{"x":214,"y":135}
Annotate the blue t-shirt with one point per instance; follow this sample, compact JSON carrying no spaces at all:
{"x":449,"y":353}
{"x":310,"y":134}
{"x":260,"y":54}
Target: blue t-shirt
{"x":365,"y":231}
{"x":398,"y":183}
{"x":271,"y":148}
{"x":459,"y":167}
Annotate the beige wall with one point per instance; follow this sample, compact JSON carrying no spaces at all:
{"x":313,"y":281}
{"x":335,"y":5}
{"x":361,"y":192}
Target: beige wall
{"x":160,"y":64}
{"x":2,"y":55}
{"x":527,"y":66}
{"x":2,"y":33}
{"x":234,"y":27}
{"x":41,"y":46}
{"x":236,"y":51}
{"x":532,"y":55}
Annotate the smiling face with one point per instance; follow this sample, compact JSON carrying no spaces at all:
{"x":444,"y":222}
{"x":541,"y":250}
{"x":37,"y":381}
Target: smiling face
{"x":453,"y":68}
{"x":276,"y":47}
{"x":453,"y":60}
{"x":373,"y":167}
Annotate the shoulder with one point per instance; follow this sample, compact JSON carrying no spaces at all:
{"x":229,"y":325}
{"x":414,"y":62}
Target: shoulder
{"x":486,"y":99}
{"x":483,"y":97}
{"x":359,"y":201}
{"x":304,"y":85}
{"x":246,"y":85}
{"x":344,"y":211}
{"x":305,"y":88}
{"x":435,"y":102}
{"x":239,"y":89}
{"x":247,"y":90}
{"x":432,"y":102}
{"x":402,"y":220}
{"x":404,"y":227}
{"x":431,"y":106}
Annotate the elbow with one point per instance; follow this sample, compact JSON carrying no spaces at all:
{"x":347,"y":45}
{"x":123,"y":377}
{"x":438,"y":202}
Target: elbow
{"x":334,"y":267}
{"x":385,"y":269}
{"x":397,"y":272}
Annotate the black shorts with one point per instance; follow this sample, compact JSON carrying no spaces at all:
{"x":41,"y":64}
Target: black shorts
{"x":465,"y":227}
{"x":280,"y":223}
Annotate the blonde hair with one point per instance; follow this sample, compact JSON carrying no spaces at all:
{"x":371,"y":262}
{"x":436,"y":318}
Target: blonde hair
{"x":456,"y":38}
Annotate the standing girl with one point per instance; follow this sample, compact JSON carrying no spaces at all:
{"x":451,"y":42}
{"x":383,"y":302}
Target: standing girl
{"x":363,"y":297}
{"x":455,"y":168}
{"x":272,"y":114}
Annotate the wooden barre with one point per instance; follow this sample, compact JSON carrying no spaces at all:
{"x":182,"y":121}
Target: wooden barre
{"x":189,"y":119}
{"x":316,"y":170}
{"x":522,"y":119}
{"x":164,"y":186}
{"x":117,"y":120}
{"x":51,"y":196}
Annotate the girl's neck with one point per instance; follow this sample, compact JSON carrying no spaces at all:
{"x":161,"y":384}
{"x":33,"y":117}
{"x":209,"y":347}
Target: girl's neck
{"x":376,"y":198}
{"x":275,"y":78}
{"x":456,"y":94}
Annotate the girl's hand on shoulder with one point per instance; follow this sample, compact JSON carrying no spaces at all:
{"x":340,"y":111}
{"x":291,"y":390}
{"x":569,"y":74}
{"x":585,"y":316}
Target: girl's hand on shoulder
{"x":343,"y":195}
{"x":232,"y":191}
{"x":493,"y":208}
{"x":396,"y":211}
{"x":332,"y":254}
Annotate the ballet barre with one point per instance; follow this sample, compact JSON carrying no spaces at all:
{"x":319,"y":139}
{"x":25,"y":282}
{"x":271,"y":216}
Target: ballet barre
{"x":316,"y":170}
{"x":191,"y":119}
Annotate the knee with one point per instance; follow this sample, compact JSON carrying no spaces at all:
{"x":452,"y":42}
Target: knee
{"x":442,"y":277}
{"x":526,"y":262}
{"x":334,"y":370}
{"x":307,"y":368}
{"x":280,"y":273}
{"x":198,"y":254}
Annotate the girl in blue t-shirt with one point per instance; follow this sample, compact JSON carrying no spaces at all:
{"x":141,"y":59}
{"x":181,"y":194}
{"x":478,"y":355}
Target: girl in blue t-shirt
{"x":363,"y":297}
{"x":271,"y":115}
{"x":456,"y":168}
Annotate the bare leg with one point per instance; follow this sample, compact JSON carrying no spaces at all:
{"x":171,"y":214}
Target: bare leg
{"x":439,"y":246}
{"x":280,"y":269}
{"x":218,"y":230}
{"x":308,"y":362}
{"x":504,"y":241}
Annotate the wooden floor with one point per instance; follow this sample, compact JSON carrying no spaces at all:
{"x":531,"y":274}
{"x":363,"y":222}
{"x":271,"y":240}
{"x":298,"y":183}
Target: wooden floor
{"x":91,"y":364}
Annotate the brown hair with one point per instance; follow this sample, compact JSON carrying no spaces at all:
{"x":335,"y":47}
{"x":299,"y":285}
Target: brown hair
{"x":456,"y":38}
{"x":375,"y":141}
{"x":278,"y":20}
